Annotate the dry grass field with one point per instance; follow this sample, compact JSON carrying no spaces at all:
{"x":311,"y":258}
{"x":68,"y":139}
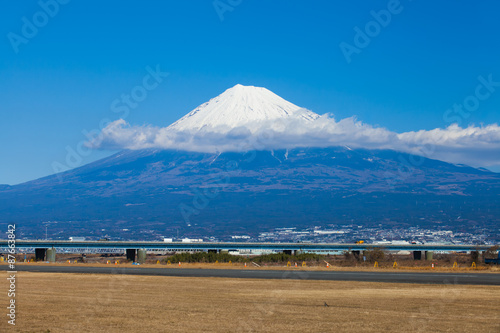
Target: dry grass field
{"x":128,"y":303}
{"x":386,"y":267}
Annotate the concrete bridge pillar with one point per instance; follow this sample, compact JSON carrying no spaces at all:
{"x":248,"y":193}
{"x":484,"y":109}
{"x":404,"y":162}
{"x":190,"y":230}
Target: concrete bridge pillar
{"x":474,"y":256}
{"x":417,"y":255}
{"x":40,"y":254}
{"x":428,"y":255}
{"x":131,"y":254}
{"x":356,"y":254}
{"x":51,"y":255}
{"x":141,"y":256}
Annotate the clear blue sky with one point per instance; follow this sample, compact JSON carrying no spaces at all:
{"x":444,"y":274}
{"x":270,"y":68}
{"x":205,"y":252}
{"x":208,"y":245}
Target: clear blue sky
{"x":64,"y":79}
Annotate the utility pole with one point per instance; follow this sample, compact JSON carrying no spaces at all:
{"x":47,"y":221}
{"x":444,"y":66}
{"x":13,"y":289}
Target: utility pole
{"x":46,"y":224}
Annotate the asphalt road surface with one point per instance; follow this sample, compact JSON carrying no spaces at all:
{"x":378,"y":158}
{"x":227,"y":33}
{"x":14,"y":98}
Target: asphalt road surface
{"x":396,"y":277}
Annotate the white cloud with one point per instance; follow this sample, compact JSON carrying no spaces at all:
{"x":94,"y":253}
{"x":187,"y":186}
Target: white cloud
{"x":473,"y":145}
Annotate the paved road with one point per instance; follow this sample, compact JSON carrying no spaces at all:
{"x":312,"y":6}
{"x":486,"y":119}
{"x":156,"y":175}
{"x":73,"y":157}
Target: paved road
{"x":396,"y":277}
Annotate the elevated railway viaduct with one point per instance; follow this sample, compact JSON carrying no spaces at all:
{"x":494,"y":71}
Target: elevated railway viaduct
{"x":136,"y":250}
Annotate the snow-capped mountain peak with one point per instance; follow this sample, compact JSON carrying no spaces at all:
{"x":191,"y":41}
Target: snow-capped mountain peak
{"x":241,"y":106}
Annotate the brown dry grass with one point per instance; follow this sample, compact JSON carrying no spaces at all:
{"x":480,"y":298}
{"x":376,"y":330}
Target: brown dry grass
{"x":127,"y":303}
{"x":361,"y":268}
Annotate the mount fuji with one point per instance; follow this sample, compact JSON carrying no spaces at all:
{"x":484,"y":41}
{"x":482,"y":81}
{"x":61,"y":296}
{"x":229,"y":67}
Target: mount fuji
{"x":239,"y":106}
{"x":144,"y":193}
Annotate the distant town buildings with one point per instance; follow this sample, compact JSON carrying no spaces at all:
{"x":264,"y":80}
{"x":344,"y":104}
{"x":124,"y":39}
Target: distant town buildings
{"x":332,"y":233}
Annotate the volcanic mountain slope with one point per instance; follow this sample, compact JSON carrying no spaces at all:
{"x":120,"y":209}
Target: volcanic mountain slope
{"x":225,"y":192}
{"x":334,"y":169}
{"x":257,"y":190}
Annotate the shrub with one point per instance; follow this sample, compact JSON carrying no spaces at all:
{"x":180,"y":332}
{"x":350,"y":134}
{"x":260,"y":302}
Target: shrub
{"x":211,"y":257}
{"x":373,"y":255}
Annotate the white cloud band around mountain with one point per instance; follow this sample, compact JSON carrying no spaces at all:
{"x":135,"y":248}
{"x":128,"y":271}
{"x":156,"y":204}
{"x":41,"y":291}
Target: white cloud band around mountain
{"x":477,"y":146}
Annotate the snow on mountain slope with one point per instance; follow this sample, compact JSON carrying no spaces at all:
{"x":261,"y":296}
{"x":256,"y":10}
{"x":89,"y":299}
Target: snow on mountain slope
{"x":240,"y":106}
